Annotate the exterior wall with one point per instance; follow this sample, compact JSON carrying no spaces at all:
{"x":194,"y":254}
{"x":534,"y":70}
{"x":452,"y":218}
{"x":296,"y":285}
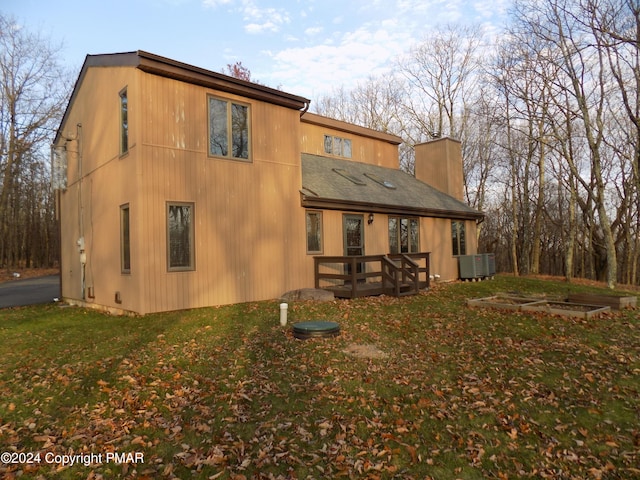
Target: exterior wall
{"x":249,"y":227}
{"x":439,"y":163}
{"x":90,"y":205}
{"x":376,"y":235}
{"x":435,"y":237}
{"x":364,"y":149}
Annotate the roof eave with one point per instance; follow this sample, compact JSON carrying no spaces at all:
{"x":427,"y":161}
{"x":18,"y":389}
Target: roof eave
{"x":162,"y":66}
{"x":337,"y":204}
{"x":166,"y":67}
{"x":315,"y":119}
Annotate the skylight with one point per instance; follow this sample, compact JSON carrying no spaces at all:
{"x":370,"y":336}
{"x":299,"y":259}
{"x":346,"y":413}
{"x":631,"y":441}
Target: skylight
{"x":381,"y":181}
{"x":349,"y":176}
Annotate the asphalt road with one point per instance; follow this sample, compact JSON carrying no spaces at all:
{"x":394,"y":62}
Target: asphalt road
{"x":30,"y":291}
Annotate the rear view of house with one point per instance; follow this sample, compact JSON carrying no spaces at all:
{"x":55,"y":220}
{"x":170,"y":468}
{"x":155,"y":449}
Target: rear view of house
{"x":178,"y":187}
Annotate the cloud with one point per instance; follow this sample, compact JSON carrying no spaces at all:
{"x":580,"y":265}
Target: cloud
{"x":372,"y":35}
{"x":264,"y":19}
{"x":313,"y":31}
{"x":317,"y":69}
{"x":216,"y":3}
{"x":258,"y":19}
{"x":488,"y":10}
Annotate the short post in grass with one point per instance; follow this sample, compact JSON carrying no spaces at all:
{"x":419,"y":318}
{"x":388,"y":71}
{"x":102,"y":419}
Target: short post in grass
{"x":283,"y":314}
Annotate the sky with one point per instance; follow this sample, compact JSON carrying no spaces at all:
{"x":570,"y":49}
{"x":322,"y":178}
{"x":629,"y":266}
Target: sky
{"x":304,"y":47}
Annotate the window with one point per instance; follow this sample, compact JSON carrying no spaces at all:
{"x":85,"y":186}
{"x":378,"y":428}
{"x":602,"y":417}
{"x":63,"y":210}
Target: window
{"x":124,"y":122}
{"x":125,"y":240}
{"x":228,"y":129}
{"x":458,"y":235}
{"x":404,"y":235}
{"x":314,"y":232}
{"x":337,"y":146}
{"x":180,"y":245}
{"x":346,"y":148}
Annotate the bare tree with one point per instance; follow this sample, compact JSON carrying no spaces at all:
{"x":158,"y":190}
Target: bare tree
{"x":337,"y":104}
{"x":376,"y":104}
{"x":581,"y":75}
{"x":550,"y":131}
{"x":32,"y":97}
{"x":441,"y":71}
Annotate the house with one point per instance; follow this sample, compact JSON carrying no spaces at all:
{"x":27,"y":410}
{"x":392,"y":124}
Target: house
{"x":178,"y":187}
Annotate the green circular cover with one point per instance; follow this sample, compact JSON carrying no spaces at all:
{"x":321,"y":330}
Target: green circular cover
{"x":316,"y":329}
{"x":316,"y":326}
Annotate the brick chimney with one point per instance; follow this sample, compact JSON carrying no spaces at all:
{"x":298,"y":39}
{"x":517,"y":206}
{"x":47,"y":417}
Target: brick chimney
{"x":439,"y":163}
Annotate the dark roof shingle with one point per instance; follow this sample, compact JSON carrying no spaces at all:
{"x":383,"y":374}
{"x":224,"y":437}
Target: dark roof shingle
{"x":325,"y":185}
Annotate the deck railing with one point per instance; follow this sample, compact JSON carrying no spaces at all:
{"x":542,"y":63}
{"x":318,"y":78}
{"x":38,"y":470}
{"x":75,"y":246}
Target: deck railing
{"x":364,"y":275}
{"x":424,"y":267}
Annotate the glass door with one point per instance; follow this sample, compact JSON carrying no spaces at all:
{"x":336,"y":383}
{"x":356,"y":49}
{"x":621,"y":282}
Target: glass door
{"x":353,"y":231}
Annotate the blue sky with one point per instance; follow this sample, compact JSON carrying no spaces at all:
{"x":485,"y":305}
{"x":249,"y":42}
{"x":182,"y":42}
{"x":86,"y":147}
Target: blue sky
{"x":304,"y":47}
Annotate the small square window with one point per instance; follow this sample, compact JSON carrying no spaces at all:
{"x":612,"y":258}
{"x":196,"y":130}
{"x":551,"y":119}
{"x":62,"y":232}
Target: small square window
{"x":328,"y":144}
{"x":337,"y":146}
{"x":346,"y":148}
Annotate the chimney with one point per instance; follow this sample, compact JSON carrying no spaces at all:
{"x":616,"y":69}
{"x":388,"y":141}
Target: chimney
{"x":439,"y":163}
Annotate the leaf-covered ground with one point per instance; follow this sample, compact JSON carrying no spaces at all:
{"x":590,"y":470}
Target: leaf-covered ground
{"x":417,"y":387}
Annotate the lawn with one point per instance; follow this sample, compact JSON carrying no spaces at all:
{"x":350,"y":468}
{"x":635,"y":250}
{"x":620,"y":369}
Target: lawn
{"x":448,"y":392}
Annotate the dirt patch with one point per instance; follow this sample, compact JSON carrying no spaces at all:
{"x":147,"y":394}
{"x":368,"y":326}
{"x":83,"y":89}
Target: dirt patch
{"x":10,"y":274}
{"x":365,"y":351}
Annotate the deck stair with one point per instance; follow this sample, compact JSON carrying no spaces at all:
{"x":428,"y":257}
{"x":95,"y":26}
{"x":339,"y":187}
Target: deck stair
{"x":365,"y":275}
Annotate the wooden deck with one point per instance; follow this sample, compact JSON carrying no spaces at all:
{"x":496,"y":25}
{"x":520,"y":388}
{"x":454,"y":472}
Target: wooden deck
{"x":367,"y":275}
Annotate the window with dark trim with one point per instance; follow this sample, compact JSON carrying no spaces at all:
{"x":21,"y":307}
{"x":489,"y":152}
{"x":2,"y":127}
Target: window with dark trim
{"x":458,"y":237}
{"x":229,"y":129}
{"x":404,"y":235}
{"x":180,"y":237}
{"x":314,"y":231}
{"x":124,"y":122}
{"x":125,"y":239}
{"x":338,"y":146}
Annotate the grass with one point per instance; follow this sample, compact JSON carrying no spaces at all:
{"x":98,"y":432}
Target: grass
{"x":228,"y":393}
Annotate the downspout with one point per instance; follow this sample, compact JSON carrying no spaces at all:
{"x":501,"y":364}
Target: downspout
{"x":305,"y":109}
{"x":80,"y":242}
{"x":58,"y":217}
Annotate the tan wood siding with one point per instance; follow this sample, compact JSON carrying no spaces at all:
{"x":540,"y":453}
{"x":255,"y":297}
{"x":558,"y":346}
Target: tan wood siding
{"x":376,"y":234}
{"x":249,"y":227}
{"x":365,"y":150}
{"x":435,"y":237}
{"x":94,"y":203}
{"x":439,"y":163}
